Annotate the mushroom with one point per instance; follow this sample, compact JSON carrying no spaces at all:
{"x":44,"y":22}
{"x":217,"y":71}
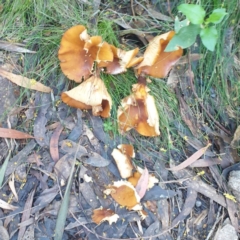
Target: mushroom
{"x":124,"y":194}
{"x":121,"y":60}
{"x":136,"y":176}
{"x":91,"y":94}
{"x":101,"y":214}
{"x":122,"y":157}
{"x":139,"y":111}
{"x":78,"y":51}
{"x":156,"y":62}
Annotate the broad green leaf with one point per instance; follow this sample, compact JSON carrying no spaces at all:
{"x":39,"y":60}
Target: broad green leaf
{"x":179,"y":24}
{"x":209,"y":37}
{"x":216,"y":16}
{"x":194,"y":13}
{"x":184,"y":38}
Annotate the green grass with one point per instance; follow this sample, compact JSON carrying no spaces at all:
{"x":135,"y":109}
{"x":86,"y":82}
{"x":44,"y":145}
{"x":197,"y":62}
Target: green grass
{"x":220,"y":79}
{"x":40,"y":25}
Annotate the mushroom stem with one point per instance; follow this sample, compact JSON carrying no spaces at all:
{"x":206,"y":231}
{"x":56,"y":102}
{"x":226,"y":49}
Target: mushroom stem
{"x":142,"y":79}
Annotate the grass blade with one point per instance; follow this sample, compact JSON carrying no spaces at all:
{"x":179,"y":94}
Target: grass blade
{"x":62,"y":214}
{"x":3,"y":168}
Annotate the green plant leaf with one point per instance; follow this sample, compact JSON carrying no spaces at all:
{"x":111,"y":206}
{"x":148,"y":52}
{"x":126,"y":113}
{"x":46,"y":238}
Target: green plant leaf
{"x":63,"y":211}
{"x":216,"y":16}
{"x":194,"y":13}
{"x":184,"y":38}
{"x":209,"y":37}
{"x":179,"y":24}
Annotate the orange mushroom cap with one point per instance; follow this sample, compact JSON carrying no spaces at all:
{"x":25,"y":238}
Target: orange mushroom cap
{"x":78,"y":51}
{"x":139,"y":111}
{"x":122,"y":157}
{"x":102,"y":214}
{"x":124,"y":194}
{"x":156,"y":62}
{"x":91,"y":94}
{"x":121,"y":60}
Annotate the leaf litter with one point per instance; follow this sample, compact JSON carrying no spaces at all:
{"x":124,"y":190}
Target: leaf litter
{"x":56,"y":188}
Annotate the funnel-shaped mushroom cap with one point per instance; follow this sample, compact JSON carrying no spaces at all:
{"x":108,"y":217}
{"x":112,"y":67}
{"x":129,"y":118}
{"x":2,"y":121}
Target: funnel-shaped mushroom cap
{"x":78,"y":51}
{"x":91,"y":94}
{"x":139,"y":111}
{"x":121,"y":60}
{"x":156,"y":62}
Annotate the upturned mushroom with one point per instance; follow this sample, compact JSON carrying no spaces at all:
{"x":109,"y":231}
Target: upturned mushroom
{"x":78,"y":51}
{"x":139,"y":111}
{"x":156,"y":62}
{"x":91,"y":94}
{"x":121,"y":60}
{"x":122,"y":157}
{"x":124,"y":194}
{"x":101,"y":214}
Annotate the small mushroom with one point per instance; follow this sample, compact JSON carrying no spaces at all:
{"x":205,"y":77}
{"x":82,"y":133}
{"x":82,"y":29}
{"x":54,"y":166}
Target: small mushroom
{"x":78,"y":51}
{"x":121,"y":60}
{"x":124,"y":194}
{"x":91,"y":94}
{"x":139,"y":111}
{"x":101,"y":214}
{"x":136,"y":176}
{"x":122,"y":157}
{"x":156,"y":62}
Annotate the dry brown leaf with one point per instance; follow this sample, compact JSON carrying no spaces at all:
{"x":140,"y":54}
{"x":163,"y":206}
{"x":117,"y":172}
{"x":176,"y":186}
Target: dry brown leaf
{"x":35,"y":158}
{"x":14,"y":47}
{"x":190,"y":160}
{"x":11,"y":133}
{"x":5,"y":205}
{"x":26,"y":213}
{"x":206,"y":162}
{"x":25,"y":82}
{"x":142,"y":184}
{"x":187,"y":207}
{"x":54,"y":143}
{"x":12,"y":187}
{"x":236,"y":138}
{"x":193,"y":57}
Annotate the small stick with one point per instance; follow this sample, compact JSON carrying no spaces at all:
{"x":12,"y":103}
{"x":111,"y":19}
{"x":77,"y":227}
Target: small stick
{"x":132,"y":8}
{"x":218,"y":218}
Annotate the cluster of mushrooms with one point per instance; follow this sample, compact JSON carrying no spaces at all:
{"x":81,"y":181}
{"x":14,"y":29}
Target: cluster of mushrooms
{"x":82,"y":57}
{"x":129,"y":191}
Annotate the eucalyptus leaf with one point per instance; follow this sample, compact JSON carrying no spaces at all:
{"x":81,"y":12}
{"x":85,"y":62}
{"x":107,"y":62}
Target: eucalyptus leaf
{"x":216,"y":16}
{"x":179,"y":24}
{"x":209,"y":37}
{"x":184,"y":38}
{"x":194,"y":13}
